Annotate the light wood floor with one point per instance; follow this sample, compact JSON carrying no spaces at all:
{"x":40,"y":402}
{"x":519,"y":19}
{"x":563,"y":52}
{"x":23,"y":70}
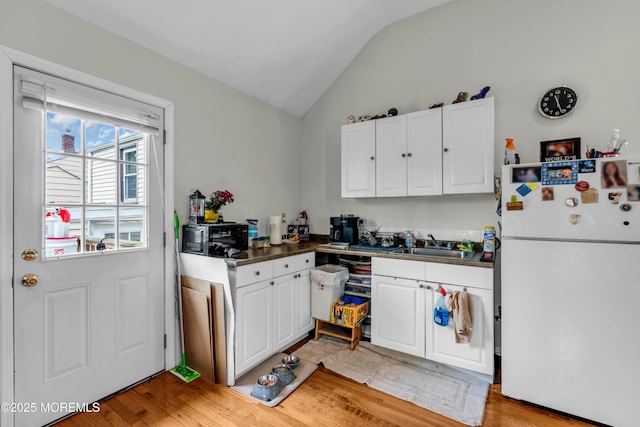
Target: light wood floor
{"x":324,"y":399}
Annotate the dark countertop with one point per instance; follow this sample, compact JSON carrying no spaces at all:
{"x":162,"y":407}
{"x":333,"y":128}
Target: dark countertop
{"x":275,"y":252}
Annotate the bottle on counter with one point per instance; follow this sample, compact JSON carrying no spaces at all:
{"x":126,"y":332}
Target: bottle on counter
{"x":408,"y":240}
{"x":510,"y":152}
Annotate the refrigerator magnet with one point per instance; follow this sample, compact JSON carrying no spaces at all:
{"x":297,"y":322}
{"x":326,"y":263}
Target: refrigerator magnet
{"x":614,"y":196}
{"x":589,"y":196}
{"x":559,"y":173}
{"x":571,"y":202}
{"x":514,"y":205}
{"x":582,"y":186}
{"x":523,"y":190}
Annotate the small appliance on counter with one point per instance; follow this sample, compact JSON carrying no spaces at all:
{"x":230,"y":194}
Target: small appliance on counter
{"x":344,"y":229}
{"x":225,"y":239}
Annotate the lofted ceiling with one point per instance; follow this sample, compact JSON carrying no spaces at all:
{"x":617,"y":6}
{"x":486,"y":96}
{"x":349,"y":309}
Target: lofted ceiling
{"x":284,"y":52}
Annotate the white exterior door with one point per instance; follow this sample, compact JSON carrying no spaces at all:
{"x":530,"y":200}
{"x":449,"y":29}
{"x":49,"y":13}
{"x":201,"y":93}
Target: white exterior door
{"x":93,"y":321}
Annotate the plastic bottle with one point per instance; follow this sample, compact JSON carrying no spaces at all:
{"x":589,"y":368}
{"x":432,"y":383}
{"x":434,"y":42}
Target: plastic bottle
{"x":489,"y":239}
{"x":510,"y":152}
{"x":440,"y":312}
{"x":408,"y":241}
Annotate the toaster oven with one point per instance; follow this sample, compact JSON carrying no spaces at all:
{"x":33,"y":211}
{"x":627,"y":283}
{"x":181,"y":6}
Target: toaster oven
{"x":225,"y":239}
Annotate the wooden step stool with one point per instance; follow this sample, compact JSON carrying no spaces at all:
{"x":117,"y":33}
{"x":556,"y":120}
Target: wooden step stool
{"x":353,"y":335}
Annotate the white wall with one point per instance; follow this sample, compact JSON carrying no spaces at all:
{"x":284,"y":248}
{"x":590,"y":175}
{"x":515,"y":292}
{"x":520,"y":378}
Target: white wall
{"x":520,"y":48}
{"x":224,"y":138}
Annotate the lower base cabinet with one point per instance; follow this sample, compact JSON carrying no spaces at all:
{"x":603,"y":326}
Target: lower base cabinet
{"x":273,"y":313}
{"x":404,"y":312}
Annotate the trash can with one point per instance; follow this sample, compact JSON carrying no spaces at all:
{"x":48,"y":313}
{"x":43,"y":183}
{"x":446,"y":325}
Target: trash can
{"x":327,"y":285}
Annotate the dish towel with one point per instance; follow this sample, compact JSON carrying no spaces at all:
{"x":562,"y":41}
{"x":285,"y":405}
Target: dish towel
{"x":459,"y":303}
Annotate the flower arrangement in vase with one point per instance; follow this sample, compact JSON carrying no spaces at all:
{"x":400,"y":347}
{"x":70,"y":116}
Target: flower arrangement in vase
{"x":214,"y":202}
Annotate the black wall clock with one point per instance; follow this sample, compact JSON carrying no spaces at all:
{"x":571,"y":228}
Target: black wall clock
{"x":557,"y":102}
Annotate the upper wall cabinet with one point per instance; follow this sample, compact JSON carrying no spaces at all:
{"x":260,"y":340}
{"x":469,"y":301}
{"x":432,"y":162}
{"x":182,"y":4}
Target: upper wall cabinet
{"x":467,"y":147}
{"x":439,"y":151}
{"x":358,"y":159}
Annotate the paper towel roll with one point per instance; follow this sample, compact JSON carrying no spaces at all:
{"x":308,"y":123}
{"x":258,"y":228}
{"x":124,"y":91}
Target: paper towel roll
{"x":276,"y":234}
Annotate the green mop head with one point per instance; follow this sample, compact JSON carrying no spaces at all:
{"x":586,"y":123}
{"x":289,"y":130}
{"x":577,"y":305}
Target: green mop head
{"x":183,"y":372}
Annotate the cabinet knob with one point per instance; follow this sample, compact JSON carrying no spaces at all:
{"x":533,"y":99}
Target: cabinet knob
{"x":272,"y":283}
{"x":373,"y":158}
{"x":404,"y":155}
{"x":408,"y":154}
{"x":421,"y":285}
{"x":446,"y":150}
{"x":258,"y":273}
{"x":286,"y":266}
{"x":428,"y":287}
{"x":307,"y":261}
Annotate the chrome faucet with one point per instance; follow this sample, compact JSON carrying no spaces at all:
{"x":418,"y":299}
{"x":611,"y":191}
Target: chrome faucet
{"x":436,"y":243}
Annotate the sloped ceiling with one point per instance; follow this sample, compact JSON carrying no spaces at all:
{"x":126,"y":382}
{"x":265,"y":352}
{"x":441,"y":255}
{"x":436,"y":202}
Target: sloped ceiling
{"x":284,"y":52}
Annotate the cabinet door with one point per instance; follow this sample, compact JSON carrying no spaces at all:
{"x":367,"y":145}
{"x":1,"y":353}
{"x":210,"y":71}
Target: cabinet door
{"x":424,"y":153}
{"x":391,"y":154}
{"x":477,"y":355}
{"x":283,"y":311}
{"x":398,"y":314}
{"x":302,"y":297}
{"x":358,"y":159}
{"x":254,"y":311}
{"x":468,"y":147}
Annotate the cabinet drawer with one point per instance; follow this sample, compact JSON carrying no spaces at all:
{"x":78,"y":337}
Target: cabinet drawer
{"x":282,"y":266}
{"x":398,"y":268}
{"x":252,"y":273}
{"x":463,"y":275}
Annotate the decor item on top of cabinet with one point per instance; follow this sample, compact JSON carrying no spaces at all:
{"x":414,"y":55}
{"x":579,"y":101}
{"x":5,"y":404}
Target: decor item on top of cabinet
{"x":214,"y":202}
{"x":482,"y":93}
{"x":462,"y":97}
{"x":196,"y":207}
{"x":364,"y":118}
{"x":560,"y":150}
{"x":392,"y":112}
{"x":509,"y":152}
{"x":557,"y":102}
{"x":351,"y":119}
{"x":438,"y":105}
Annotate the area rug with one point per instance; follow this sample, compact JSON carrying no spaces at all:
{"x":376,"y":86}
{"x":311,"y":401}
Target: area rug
{"x":244,"y":384}
{"x":428,"y":384}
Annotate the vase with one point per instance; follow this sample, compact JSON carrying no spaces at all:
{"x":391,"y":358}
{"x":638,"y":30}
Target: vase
{"x":211,"y":216}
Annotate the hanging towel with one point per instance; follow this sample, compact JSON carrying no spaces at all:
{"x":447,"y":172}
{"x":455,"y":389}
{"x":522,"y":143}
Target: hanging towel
{"x":459,"y":303}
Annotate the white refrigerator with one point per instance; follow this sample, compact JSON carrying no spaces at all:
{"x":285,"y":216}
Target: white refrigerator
{"x":571,"y":287}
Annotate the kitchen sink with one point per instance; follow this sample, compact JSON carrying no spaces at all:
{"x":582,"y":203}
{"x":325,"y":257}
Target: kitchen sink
{"x":436,"y":252}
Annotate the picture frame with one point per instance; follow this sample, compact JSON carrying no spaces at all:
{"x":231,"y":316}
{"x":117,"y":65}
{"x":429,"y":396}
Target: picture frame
{"x":526,"y":174}
{"x":560,"y":150}
{"x":559,"y":173}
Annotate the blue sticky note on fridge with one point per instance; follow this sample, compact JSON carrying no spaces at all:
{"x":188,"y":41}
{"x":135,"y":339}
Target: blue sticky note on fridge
{"x":523,"y":190}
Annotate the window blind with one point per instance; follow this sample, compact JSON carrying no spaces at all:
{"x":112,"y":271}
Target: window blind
{"x":84,"y":102}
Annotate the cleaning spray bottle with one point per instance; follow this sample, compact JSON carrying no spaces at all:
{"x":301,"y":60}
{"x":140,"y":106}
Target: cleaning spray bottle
{"x":440,"y":312}
{"x":510,"y":152}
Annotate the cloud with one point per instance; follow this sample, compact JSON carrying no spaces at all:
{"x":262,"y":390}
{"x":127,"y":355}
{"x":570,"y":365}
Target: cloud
{"x":65,"y":122}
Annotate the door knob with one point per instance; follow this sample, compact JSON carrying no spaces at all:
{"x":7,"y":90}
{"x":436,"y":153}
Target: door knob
{"x":29,"y":280}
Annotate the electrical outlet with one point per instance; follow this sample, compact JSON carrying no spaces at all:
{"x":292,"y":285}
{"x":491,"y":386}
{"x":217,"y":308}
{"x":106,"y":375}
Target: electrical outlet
{"x":284,"y":217}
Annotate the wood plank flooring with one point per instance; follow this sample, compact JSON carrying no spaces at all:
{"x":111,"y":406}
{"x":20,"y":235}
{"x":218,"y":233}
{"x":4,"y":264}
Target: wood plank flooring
{"x":324,"y":399}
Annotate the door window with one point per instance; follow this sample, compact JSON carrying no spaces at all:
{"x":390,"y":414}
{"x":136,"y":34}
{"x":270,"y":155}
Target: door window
{"x":95,"y":187}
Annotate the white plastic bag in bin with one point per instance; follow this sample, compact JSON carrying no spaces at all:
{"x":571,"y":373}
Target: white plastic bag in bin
{"x":327,"y":285}
{"x":329,"y":275}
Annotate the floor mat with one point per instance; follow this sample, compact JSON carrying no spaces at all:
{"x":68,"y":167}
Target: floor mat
{"x":428,"y":384}
{"x":244,"y":384}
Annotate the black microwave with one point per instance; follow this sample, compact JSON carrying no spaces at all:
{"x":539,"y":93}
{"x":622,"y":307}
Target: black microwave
{"x":225,"y":239}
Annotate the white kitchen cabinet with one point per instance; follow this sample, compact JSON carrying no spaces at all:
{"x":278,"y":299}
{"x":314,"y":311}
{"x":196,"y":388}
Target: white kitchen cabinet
{"x":477,"y":355}
{"x":399,"y":307}
{"x":448,"y":150}
{"x":403,"y":298}
{"x":358,"y":159}
{"x":391,"y":156}
{"x":254,"y":328}
{"x":468,"y":147}
{"x":424,"y":153}
{"x":273,"y":307}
